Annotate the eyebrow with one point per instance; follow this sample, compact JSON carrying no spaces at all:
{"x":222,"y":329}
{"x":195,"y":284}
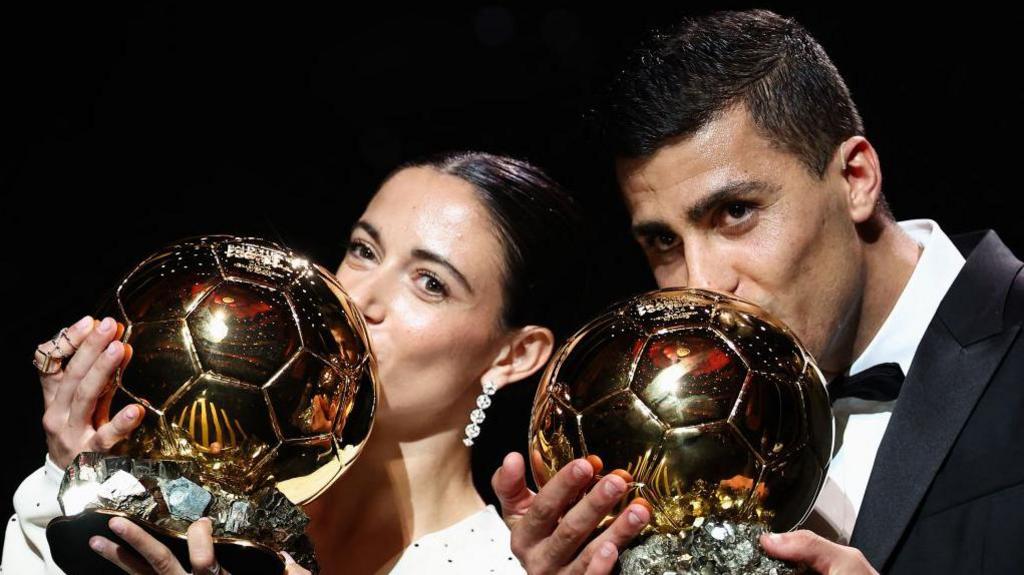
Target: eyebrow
{"x":369,"y":229}
{"x":726,"y":194}
{"x":430,"y":256}
{"x":418,"y":253}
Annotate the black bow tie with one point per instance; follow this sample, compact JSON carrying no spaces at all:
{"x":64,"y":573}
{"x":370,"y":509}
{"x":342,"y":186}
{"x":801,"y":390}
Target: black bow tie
{"x":881,"y":382}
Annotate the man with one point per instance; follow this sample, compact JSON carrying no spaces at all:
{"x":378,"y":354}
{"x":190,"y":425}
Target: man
{"x":743,"y":162}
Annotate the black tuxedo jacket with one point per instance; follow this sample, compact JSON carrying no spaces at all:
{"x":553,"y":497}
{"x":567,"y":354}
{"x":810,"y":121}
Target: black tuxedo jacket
{"x":946,"y":493}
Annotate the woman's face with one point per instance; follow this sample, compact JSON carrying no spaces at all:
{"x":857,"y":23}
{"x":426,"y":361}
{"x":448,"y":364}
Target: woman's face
{"x":425,"y":267}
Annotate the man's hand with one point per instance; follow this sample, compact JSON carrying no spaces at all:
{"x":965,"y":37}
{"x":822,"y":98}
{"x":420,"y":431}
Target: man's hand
{"x":818,"y":553}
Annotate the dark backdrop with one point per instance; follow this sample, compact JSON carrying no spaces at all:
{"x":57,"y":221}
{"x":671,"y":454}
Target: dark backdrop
{"x":129,"y":126}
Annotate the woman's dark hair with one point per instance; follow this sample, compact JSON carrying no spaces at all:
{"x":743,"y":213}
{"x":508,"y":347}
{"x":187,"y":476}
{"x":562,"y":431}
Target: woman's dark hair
{"x":537,"y":222}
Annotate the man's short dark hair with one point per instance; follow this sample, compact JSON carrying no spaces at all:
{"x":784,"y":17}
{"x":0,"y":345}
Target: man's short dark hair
{"x":679,"y":81}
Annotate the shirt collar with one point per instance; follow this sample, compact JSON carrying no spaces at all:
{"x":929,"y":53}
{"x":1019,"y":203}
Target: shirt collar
{"x":903,"y":329}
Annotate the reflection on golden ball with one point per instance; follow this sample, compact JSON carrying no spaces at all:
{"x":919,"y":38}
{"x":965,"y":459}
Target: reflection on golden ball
{"x":711,"y":404}
{"x":250,"y":360}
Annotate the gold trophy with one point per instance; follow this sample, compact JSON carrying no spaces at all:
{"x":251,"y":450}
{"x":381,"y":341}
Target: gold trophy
{"x":713,"y":406}
{"x":259,"y":388}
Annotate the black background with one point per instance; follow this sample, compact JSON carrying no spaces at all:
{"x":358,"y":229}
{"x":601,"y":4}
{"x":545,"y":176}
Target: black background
{"x":126,"y":127}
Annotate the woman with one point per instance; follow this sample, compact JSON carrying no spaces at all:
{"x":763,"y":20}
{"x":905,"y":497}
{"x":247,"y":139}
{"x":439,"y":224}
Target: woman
{"x":457,"y":264}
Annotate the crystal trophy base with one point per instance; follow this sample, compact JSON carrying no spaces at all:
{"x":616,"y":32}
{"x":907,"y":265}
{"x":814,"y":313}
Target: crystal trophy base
{"x":164,"y":497}
{"x":712,"y":548}
{"x":68,"y":537}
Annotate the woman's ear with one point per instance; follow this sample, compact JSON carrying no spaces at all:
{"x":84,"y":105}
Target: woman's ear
{"x":526,"y":352}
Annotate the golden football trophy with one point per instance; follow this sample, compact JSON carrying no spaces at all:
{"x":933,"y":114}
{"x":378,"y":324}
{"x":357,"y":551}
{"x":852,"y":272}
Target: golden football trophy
{"x":713,"y":406}
{"x":259,"y":388}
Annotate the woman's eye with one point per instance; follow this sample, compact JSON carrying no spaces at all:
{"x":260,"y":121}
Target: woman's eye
{"x":361,"y":250}
{"x":432,"y":285}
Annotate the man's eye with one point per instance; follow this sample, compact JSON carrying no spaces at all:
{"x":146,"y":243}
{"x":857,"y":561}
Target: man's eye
{"x":737,"y":211}
{"x":659,"y":242}
{"x":736,"y":216}
{"x":664,"y":242}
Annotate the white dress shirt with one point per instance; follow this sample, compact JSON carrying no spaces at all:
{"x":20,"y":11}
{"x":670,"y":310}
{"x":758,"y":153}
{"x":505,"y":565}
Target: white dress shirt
{"x":860,"y":423}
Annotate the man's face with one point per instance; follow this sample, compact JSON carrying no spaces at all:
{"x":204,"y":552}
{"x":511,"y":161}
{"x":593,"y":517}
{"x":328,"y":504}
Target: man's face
{"x":726,"y":209}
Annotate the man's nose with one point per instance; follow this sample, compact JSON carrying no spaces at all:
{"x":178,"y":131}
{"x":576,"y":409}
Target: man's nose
{"x":706,"y":269}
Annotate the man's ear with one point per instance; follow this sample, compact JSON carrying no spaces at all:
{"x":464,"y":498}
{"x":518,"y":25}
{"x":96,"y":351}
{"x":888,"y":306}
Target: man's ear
{"x":860,"y":169}
{"x":526,"y":352}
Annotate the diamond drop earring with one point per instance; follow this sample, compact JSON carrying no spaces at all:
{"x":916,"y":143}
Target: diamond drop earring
{"x":477,"y":416}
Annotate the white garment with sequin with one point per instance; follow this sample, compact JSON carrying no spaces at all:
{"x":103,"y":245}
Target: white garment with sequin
{"x":477,"y":545}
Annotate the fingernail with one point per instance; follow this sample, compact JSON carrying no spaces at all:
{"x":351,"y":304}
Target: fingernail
{"x":625,"y":475}
{"x":595,"y":462}
{"x":508,"y":459}
{"x":112,"y":348}
{"x":638,"y":515}
{"x":96,"y":543}
{"x":287,"y":558}
{"x":106,"y":325}
{"x":772,"y":537}
{"x":82,"y":323}
{"x":581,"y":469}
{"x":614,"y":485}
{"x":131,"y":413}
{"x":643,"y":503}
{"x":117,"y":526}
{"x":606,"y":549}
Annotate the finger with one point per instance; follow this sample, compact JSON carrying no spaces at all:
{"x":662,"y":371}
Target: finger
{"x":94,"y":384}
{"x":603,"y":560}
{"x":101,"y":415}
{"x":802,"y":546}
{"x":627,"y":526}
{"x":128,"y":561}
{"x":117,"y":429}
{"x":152,"y":551}
{"x":200,"y":548}
{"x":291,"y":567}
{"x":509,"y":483}
{"x":63,"y":347}
{"x":92,"y":346}
{"x":552,"y":501}
{"x":579,"y":523}
{"x":66,"y":344}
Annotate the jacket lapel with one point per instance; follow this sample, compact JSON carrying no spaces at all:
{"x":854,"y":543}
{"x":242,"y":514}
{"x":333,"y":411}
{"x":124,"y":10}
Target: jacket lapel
{"x":961,"y":349}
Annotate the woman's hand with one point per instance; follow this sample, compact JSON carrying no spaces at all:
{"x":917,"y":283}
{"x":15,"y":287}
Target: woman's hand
{"x":147,"y":556}
{"x":76,"y":414}
{"x":551,"y":529}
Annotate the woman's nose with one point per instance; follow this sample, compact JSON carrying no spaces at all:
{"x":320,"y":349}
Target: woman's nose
{"x":365,"y":294}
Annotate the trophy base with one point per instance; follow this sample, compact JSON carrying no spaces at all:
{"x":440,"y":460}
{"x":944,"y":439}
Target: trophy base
{"x":713,"y":548}
{"x":68,"y":537}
